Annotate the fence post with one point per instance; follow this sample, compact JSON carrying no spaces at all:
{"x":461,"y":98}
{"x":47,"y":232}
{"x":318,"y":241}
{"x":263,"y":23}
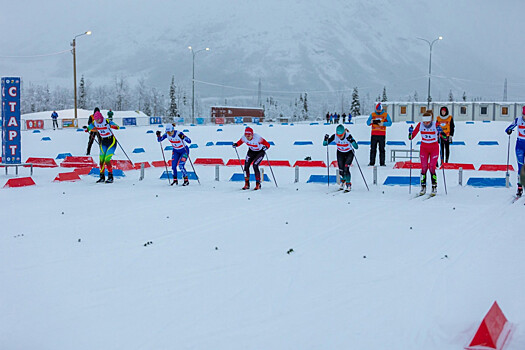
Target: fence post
{"x":141,"y":172}
{"x":375,"y":175}
{"x":216,"y":173}
{"x":296,"y":174}
{"x":460,"y":180}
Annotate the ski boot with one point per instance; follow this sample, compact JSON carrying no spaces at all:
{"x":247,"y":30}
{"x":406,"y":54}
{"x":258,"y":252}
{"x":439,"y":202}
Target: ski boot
{"x":520,"y":190}
{"x":348,"y":187}
{"x":434,"y":185}
{"x":102,"y":178}
{"x":342,"y":185}
{"x":175,"y":182}
{"x":423,"y":185}
{"x":257,"y":186}
{"x":110,"y":178}
{"x":186,"y":182}
{"x":246,"y":183}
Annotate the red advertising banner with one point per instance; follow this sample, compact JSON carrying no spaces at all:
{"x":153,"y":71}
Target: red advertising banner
{"x":34,"y":124}
{"x":219,"y":120}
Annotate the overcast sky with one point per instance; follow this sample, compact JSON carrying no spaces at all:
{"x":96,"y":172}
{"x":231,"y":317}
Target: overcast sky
{"x":482,"y":44}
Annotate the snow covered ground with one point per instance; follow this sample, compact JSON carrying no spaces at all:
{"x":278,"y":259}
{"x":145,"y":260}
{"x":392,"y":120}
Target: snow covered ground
{"x":369,"y":270}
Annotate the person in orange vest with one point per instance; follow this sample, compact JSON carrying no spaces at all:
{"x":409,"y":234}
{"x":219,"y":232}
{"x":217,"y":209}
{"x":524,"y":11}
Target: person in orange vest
{"x":446,"y":122}
{"x":379,"y":120}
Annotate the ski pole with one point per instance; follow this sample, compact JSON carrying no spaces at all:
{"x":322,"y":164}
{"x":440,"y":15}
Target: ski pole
{"x":165,"y":164}
{"x":507,"y":175}
{"x":239,"y":158}
{"x":327,"y":166}
{"x":268,"y":160}
{"x":197,"y":176}
{"x":121,"y":147}
{"x":410,"y":176}
{"x":357,"y":162}
{"x":444,"y":180}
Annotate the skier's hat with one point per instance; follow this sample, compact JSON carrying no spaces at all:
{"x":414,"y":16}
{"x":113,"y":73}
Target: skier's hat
{"x":340,"y":130}
{"x":169,"y":127}
{"x":248,"y":131}
{"x":97,"y":116}
{"x":379,"y":107}
{"x":523,"y":110}
{"x":427,"y":117}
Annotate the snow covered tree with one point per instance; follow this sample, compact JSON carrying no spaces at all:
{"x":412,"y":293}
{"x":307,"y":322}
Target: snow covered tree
{"x":305,"y":106}
{"x":416,"y":96}
{"x":384,"y":98}
{"x":464,"y":96}
{"x":121,"y":101}
{"x":82,"y":95}
{"x":355,"y":108}
{"x":172,"y":109}
{"x":450,"y":96}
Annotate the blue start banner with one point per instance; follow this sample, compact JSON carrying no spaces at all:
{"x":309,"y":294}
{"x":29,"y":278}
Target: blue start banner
{"x":11,"y":137}
{"x":129,"y":121}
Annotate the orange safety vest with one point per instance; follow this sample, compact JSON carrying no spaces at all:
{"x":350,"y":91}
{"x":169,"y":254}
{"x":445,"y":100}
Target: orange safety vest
{"x":444,"y":123}
{"x":378,"y":129}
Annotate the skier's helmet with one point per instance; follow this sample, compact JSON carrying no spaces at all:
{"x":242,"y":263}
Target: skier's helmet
{"x":523,"y":111}
{"x":248,"y":131}
{"x":169,"y":128}
{"x":379,"y":107}
{"x":340,"y":130}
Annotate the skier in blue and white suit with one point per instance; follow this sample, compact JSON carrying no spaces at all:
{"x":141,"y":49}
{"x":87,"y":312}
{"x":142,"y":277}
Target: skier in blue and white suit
{"x":520,"y":145}
{"x":180,"y":151}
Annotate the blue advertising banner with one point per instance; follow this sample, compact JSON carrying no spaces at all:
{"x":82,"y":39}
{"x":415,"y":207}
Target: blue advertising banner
{"x":155,"y":120}
{"x":11,"y":121}
{"x":238,"y":120}
{"x":129,"y":121}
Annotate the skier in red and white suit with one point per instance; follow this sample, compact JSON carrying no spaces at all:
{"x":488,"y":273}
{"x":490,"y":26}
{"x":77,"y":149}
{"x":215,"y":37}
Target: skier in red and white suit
{"x":257,"y":147}
{"x":429,"y":149}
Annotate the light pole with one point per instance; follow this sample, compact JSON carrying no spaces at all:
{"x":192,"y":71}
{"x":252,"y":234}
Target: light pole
{"x":430,"y":44}
{"x":193,"y":82}
{"x":73,"y":44}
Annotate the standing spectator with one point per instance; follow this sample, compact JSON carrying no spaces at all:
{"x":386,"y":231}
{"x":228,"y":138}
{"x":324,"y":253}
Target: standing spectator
{"x":520,"y":146}
{"x":92,"y":134}
{"x":54,"y":116}
{"x":344,"y":118}
{"x":336,"y":118}
{"x":328,"y":117}
{"x":110,"y":115}
{"x":349,"y":117}
{"x":446,"y":122}
{"x":379,"y":120}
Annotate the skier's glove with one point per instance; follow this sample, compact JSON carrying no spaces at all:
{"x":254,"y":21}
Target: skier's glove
{"x":443,"y":135}
{"x":158,"y":133}
{"x":350,"y":138}
{"x":234,"y":145}
{"x":264,"y":148}
{"x":509,"y":131}
{"x":450,"y":139}
{"x":376,"y":121}
{"x":181,"y":136}
{"x":326,"y":137}
{"x":410,"y":131}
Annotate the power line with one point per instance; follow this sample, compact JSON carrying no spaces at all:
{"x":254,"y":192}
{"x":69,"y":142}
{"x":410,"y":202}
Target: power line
{"x":36,"y":56}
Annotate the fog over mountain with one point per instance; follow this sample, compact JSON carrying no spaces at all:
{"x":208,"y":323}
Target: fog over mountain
{"x":324,"y":48}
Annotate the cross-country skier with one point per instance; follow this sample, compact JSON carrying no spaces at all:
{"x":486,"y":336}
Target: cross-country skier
{"x":108,"y":143}
{"x":180,"y":151}
{"x":345,"y":154}
{"x":429,"y":149}
{"x":520,"y":145}
{"x":257,"y":149}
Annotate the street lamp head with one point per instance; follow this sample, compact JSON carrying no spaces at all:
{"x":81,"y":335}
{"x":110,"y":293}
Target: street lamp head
{"x":440,"y":38}
{"x":88,"y":32}
{"x":189,"y":47}
{"x":207,"y":49}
